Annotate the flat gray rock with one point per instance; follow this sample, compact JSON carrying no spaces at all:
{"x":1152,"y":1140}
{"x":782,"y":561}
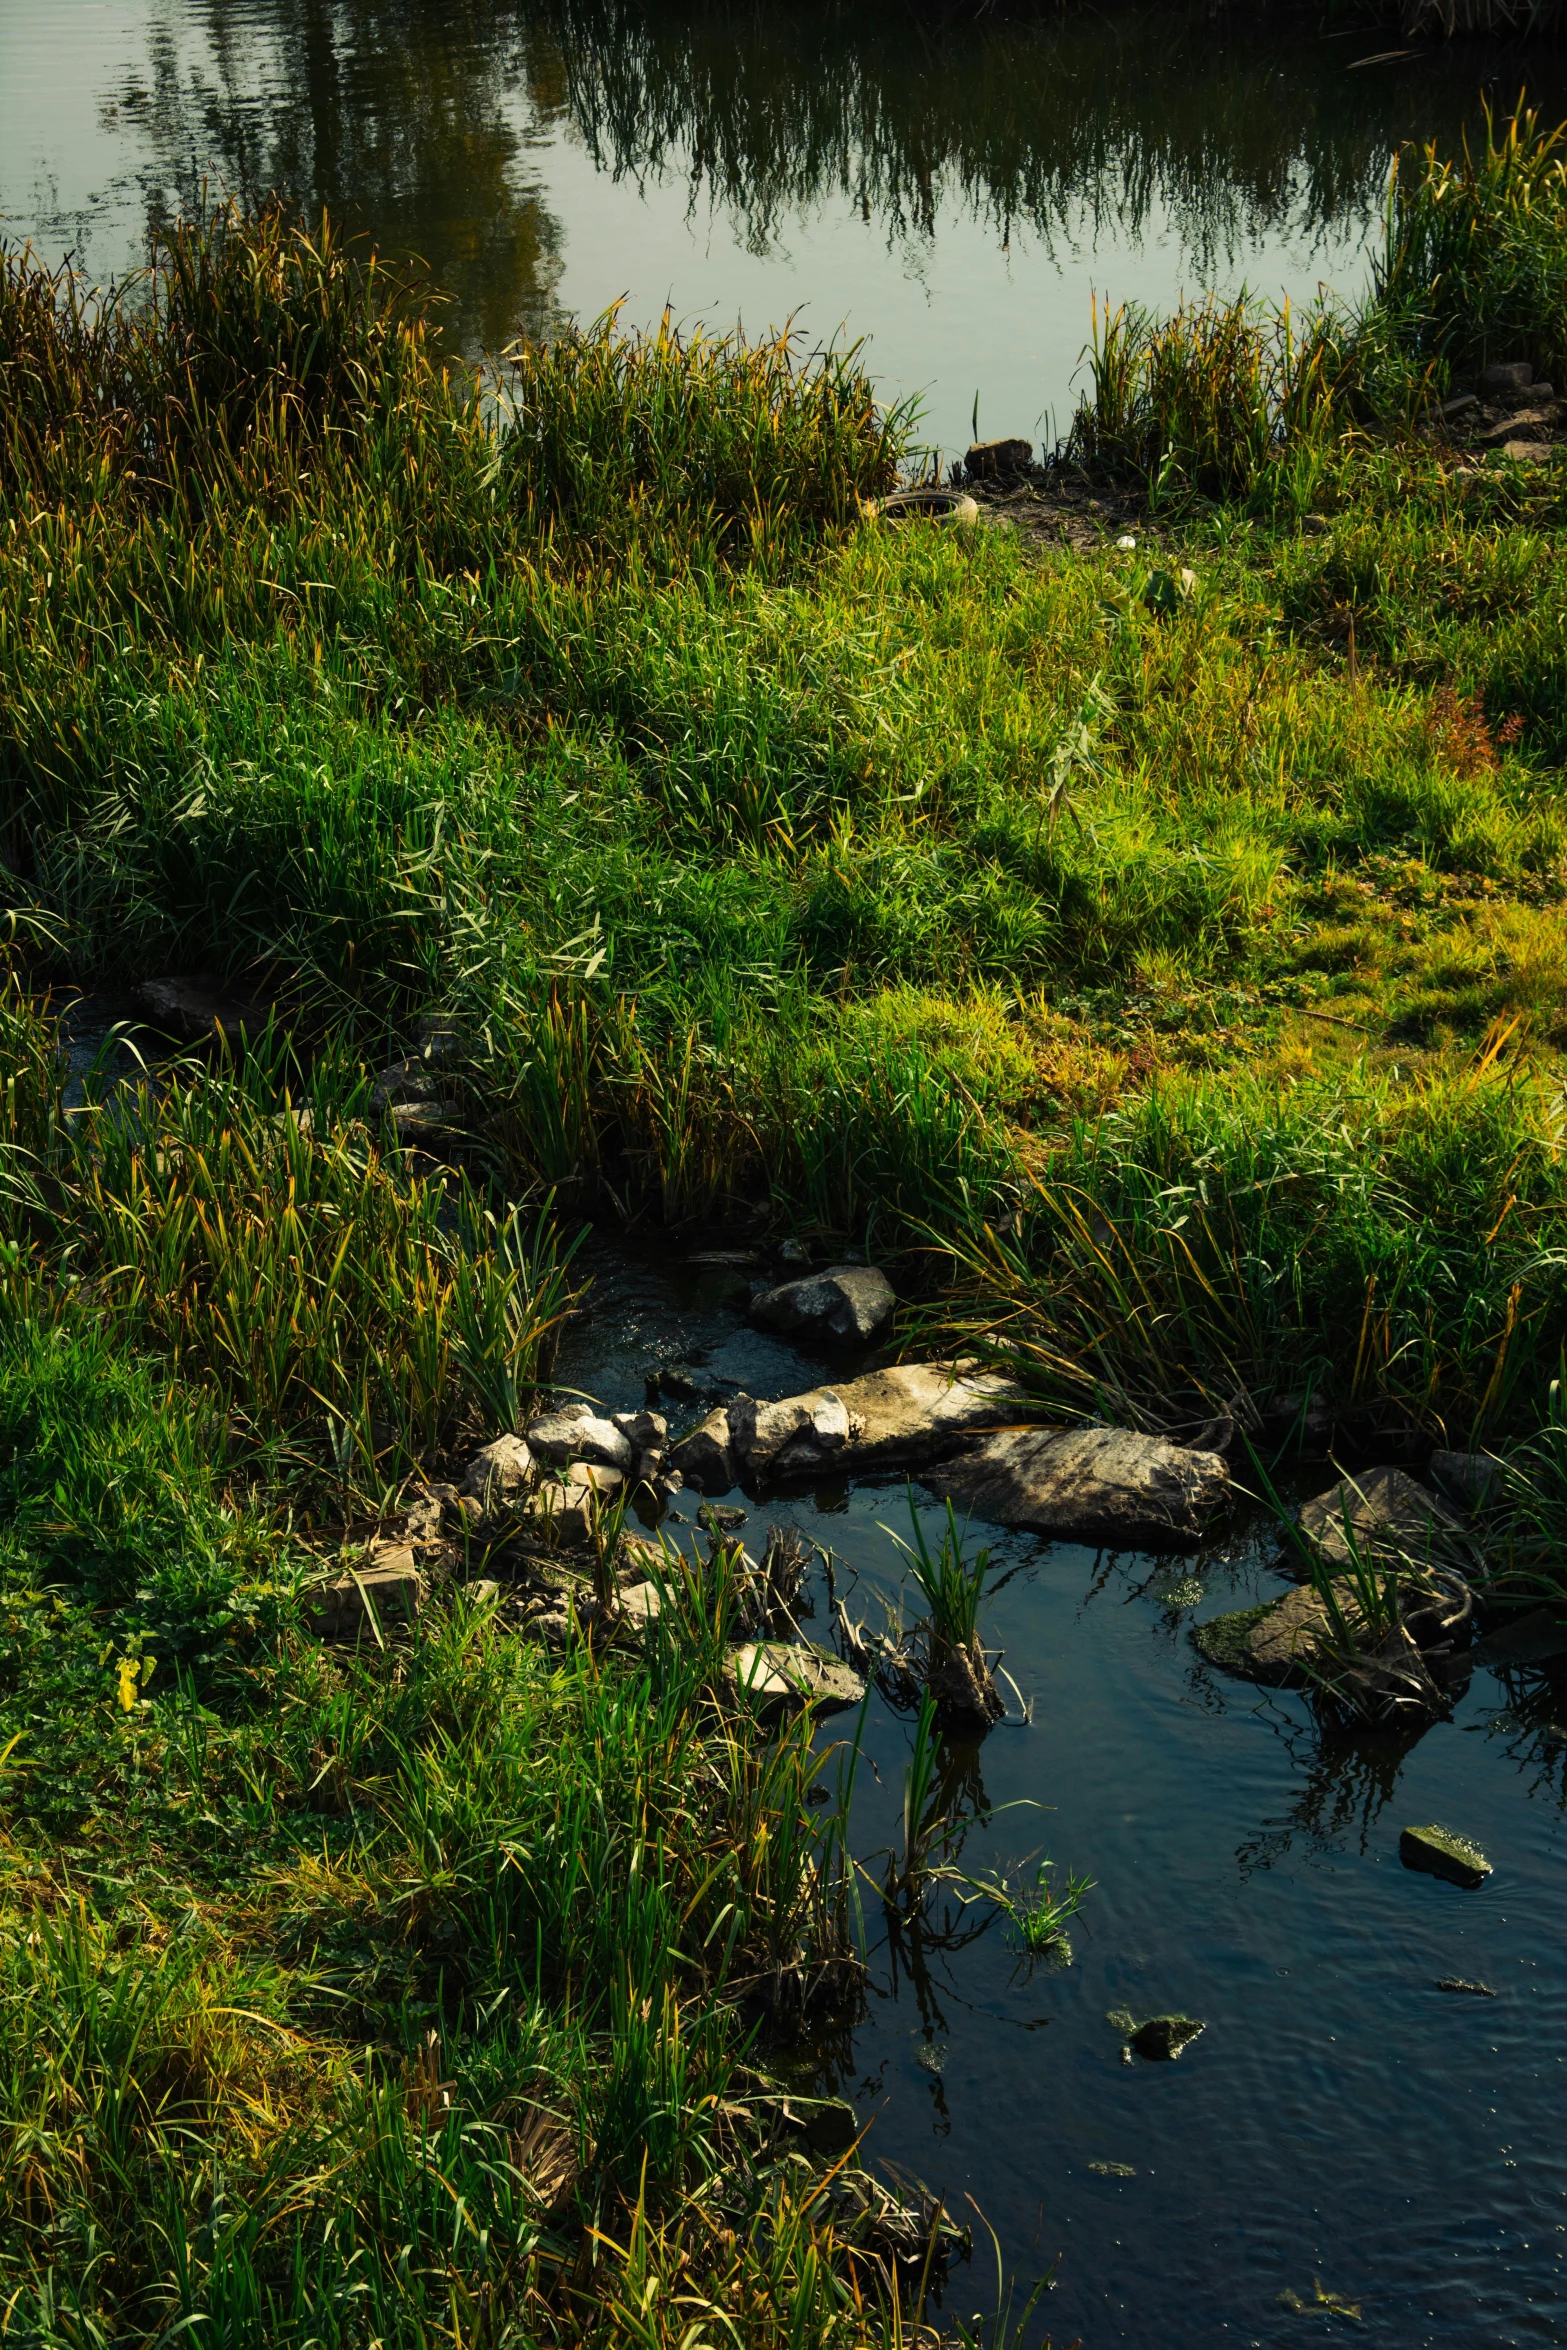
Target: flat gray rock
{"x":1471,"y":1479}
{"x":1090,"y":1484}
{"x":780,"y":1676}
{"x":905,"y":1417}
{"x":1385,"y":1509}
{"x":848,"y":1304}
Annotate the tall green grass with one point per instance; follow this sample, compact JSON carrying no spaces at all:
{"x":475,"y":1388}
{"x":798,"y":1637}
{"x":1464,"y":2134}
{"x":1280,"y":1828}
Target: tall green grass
{"x":1218,"y":1249}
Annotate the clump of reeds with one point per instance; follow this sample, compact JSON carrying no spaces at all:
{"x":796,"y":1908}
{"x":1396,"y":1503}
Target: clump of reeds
{"x":745,"y":447}
{"x":1474,"y":266}
{"x":1208,"y":398}
{"x":951,"y":1666}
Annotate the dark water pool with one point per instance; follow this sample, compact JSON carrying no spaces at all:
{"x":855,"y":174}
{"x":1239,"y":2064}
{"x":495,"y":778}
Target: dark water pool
{"x":1341,"y":2119}
{"x":951,"y":181}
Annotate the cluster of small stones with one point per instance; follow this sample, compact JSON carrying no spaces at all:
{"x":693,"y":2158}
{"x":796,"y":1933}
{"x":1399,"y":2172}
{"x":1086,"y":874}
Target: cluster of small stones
{"x":1509,"y":412}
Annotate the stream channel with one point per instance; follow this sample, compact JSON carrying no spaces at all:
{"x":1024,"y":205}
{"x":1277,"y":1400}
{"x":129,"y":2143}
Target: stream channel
{"x":1341,"y":2119}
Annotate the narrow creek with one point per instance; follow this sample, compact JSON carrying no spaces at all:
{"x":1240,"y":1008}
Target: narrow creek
{"x":1341,"y":2121}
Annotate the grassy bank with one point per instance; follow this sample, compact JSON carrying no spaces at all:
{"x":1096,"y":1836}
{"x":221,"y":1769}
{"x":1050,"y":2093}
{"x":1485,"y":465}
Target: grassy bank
{"x":1155,"y":955}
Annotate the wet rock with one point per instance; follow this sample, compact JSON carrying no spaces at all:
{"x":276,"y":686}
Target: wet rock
{"x":386,"y":1589}
{"x":579,"y":1434}
{"x":565,"y":1507}
{"x":1225,"y":1640}
{"x":778,"y":1676}
{"x":1439,"y":1853}
{"x":706,"y":1458}
{"x":678,"y":1380}
{"x":717,"y":1519}
{"x":196,"y":1010}
{"x":1291,"y":1637}
{"x":1387,"y":1512}
{"x":498,"y":1476}
{"x":1461,"y":1984}
{"x":1088,"y":1484}
{"x":849,"y":1304}
{"x":905,"y":1417}
{"x":1160,"y":2038}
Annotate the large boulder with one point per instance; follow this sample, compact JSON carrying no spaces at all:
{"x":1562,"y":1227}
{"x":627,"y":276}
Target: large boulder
{"x":850,"y":1305}
{"x":1387,"y":1512}
{"x":816,"y":1426}
{"x":1089,"y":1484}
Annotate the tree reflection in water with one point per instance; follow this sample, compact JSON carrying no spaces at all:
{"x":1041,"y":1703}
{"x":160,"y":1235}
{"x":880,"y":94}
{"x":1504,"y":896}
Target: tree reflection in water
{"x":425,"y":120}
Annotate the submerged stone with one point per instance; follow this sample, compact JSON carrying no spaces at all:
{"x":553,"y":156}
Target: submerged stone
{"x":1091,"y":1484}
{"x":1159,"y":2039}
{"x":1226,"y":1640}
{"x":1439,"y":1853}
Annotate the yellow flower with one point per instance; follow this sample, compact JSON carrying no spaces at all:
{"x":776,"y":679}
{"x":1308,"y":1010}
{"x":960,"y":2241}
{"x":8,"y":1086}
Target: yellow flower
{"x":127,"y":1691}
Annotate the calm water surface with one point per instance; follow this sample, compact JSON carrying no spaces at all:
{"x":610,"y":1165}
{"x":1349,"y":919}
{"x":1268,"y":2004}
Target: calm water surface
{"x":951,"y":183}
{"x":1340,"y":2119}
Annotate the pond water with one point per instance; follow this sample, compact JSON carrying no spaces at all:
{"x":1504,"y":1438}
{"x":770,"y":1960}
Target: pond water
{"x":952,"y":184}
{"x":1341,"y":2119}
